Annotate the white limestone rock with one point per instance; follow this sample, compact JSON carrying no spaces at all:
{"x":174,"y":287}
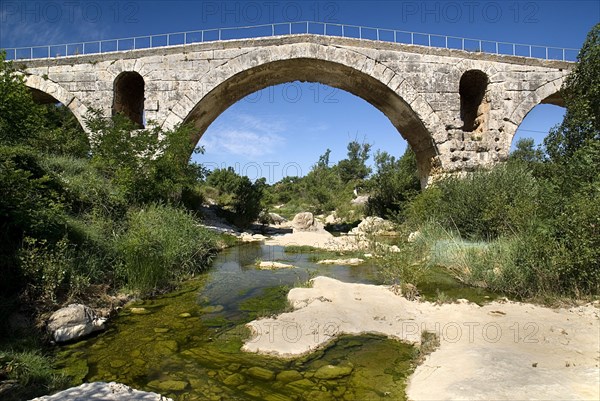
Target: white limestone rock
{"x":101,"y":391}
{"x":73,"y":322}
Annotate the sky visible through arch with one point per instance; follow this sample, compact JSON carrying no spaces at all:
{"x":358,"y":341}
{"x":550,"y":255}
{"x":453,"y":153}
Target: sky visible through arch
{"x":282,"y":130}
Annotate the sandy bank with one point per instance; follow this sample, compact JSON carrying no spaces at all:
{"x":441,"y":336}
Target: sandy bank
{"x":500,"y":351}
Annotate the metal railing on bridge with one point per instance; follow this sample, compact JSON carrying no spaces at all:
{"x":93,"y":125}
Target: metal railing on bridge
{"x":293,"y":28}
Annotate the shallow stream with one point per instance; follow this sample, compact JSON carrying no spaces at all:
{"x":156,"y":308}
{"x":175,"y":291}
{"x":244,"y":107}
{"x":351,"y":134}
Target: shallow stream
{"x":186,"y":344}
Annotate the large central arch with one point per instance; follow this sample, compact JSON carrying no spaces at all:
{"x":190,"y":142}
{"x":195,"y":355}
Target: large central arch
{"x":341,"y":76}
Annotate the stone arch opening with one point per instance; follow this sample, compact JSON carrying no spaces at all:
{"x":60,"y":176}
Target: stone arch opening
{"x":128,"y":97}
{"x":340,"y":76}
{"x":539,"y":120}
{"x":45,"y":91}
{"x":474,"y":105}
{"x":547,"y":94}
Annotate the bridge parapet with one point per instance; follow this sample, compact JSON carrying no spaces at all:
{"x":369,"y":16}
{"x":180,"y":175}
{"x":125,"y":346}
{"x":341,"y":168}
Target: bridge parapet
{"x":289,"y":29}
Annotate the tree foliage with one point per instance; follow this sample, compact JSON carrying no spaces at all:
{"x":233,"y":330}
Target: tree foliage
{"x":394,"y":184}
{"x":241,"y":197}
{"x":148,"y":164}
{"x":581,"y":93}
{"x":20,"y":118}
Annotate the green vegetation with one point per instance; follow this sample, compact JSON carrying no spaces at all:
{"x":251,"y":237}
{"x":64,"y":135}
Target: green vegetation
{"x":325,"y":188}
{"x":162,"y":244}
{"x":535,"y":220}
{"x":82,"y":219}
{"x":394,"y":184}
{"x":240,"y":199}
{"x":32,"y":370}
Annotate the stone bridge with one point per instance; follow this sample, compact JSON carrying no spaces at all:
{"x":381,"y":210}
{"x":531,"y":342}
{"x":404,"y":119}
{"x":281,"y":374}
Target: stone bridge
{"x":458,"y":110}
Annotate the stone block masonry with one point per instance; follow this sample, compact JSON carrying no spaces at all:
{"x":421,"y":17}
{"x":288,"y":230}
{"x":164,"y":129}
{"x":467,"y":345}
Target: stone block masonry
{"x":458,"y":110}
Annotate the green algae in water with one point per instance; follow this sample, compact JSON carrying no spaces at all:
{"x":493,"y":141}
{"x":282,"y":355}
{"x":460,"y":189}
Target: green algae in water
{"x":438,"y":280}
{"x":186,"y":345}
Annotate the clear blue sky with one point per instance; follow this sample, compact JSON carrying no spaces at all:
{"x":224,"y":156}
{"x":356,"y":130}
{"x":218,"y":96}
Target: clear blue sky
{"x":291,"y":125}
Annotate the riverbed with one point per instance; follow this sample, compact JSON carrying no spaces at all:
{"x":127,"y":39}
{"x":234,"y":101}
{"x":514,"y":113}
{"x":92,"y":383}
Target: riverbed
{"x":186,"y":344}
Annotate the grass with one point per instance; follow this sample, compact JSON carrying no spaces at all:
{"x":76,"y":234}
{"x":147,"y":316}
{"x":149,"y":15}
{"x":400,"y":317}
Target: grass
{"x":27,"y":367}
{"x":162,"y":244}
{"x":429,"y":343}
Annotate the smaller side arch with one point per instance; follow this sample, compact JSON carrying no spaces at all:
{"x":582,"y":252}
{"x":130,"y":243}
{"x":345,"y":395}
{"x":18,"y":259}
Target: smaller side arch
{"x":546,"y":93}
{"x":47,"y":91}
{"x":128,"y":96}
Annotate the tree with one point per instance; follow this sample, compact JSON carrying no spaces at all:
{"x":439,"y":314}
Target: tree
{"x":526,"y":152}
{"x":20,"y":117}
{"x":394,"y":184}
{"x":581,"y":93}
{"x":62,"y":134}
{"x":148,"y":164}
{"x":241,"y":198}
{"x":354,"y":168}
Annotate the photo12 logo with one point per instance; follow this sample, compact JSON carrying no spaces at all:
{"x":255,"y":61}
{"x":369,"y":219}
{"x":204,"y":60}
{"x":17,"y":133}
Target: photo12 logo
{"x":255,"y":12}
{"x":293,"y":92}
{"x":470,"y":11}
{"x":69,"y":11}
{"x":489,"y":332}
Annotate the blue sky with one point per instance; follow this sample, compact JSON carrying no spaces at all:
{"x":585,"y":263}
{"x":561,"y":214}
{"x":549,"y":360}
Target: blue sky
{"x":282,"y":130}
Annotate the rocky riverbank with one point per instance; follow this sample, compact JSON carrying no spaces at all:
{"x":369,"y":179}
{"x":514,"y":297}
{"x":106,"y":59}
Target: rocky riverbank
{"x":501,"y":351}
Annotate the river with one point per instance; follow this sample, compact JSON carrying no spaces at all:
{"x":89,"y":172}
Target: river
{"x":186,"y":344}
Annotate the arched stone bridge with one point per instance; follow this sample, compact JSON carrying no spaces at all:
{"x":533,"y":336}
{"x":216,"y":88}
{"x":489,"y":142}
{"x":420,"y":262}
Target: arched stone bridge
{"x":458,"y":110}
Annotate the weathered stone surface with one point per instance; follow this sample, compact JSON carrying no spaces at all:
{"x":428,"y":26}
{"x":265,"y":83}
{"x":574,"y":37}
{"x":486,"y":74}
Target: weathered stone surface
{"x":168,"y":385}
{"x":416,"y":87}
{"x":73,"y":322}
{"x":373,"y":225}
{"x":287,"y":376}
{"x":268,"y":265}
{"x":347,"y":262}
{"x":305,"y":221}
{"x":234,"y":380}
{"x":261,"y":373}
{"x":330,"y":372}
{"x":103,"y":391}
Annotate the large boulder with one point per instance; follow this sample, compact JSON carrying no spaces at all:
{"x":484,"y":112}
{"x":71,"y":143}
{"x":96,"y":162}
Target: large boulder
{"x":73,"y":322}
{"x":103,"y":392}
{"x":373,"y":225}
{"x":305,"y":221}
{"x":277,"y":219}
{"x":360,"y":200}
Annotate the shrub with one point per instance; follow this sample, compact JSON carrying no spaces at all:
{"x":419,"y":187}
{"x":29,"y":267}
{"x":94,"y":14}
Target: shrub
{"x":484,"y":204}
{"x":161,"y":244}
{"x":85,"y":189}
{"x":394,"y":185}
{"x":47,"y":267}
{"x":241,"y":198}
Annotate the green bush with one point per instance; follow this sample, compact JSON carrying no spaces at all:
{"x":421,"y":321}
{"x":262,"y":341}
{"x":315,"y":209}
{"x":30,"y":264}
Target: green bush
{"x":20,"y":118}
{"x":149,"y":165}
{"x":241,"y":198}
{"x":162,"y":244}
{"x":484,"y":204}
{"x":395,"y":183}
{"x":85,"y":189}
